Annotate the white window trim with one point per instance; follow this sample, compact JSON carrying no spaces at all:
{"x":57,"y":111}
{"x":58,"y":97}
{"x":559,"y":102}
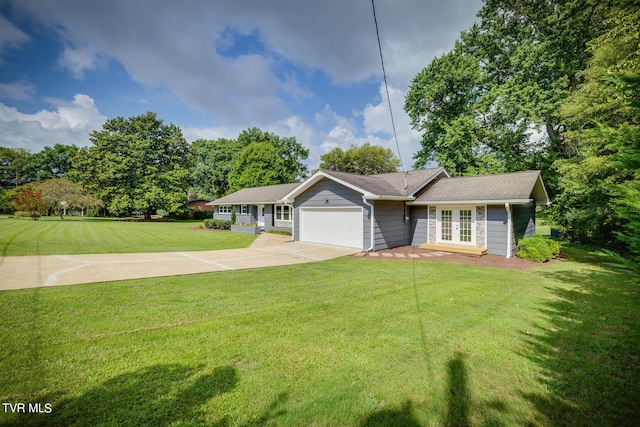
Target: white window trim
{"x":279,"y":211}
{"x":244,"y":209}
{"x":224,"y":209}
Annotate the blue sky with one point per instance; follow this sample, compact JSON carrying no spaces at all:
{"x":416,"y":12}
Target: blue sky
{"x":296,"y":68}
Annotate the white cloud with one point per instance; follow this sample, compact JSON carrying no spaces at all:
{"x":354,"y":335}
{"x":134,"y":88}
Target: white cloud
{"x":193,"y":133}
{"x":377,"y":125}
{"x":78,"y":60}
{"x":19,"y":91}
{"x":10,"y":36}
{"x":328,"y":116}
{"x":184,"y":50}
{"x":160,"y":43}
{"x":70,"y":123}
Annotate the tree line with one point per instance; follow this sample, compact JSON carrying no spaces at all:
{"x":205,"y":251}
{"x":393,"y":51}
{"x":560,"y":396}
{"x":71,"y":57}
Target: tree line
{"x":550,"y":85}
{"x":142,"y":164}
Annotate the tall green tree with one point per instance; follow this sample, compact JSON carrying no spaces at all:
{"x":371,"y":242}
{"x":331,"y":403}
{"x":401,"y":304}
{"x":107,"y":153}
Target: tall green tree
{"x":491,"y":104}
{"x":259,"y":164}
{"x":366,"y":159}
{"x":597,"y":201}
{"x":52,"y":162}
{"x":216,"y":161}
{"x":213,"y":161}
{"x":14,"y":167}
{"x":137,"y":163}
{"x":287,"y":148}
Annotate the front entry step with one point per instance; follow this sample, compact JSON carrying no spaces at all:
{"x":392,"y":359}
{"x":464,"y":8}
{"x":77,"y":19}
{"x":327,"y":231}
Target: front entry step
{"x":456,"y":249}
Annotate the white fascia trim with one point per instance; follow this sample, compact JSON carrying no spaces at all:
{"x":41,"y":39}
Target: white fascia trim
{"x":402,"y":198}
{"x":292,"y":211}
{"x":289,"y":198}
{"x":472,"y":202}
{"x":249,"y":203}
{"x":547,"y":200}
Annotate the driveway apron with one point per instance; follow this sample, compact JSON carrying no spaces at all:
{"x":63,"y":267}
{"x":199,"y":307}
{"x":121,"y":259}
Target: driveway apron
{"x":21,"y":272}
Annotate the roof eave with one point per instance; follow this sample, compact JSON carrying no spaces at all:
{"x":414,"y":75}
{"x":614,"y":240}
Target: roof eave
{"x":472,"y":202}
{"x":271,"y":202}
{"x":380,"y":197}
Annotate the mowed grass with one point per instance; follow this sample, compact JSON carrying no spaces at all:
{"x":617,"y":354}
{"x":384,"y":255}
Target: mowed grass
{"x":338,"y":343}
{"x":53,"y":236}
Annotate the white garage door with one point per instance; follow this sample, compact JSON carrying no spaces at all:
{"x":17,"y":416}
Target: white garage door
{"x":332,"y":226}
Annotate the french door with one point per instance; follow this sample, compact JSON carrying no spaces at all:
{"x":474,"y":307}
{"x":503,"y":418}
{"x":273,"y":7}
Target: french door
{"x":456,"y":225}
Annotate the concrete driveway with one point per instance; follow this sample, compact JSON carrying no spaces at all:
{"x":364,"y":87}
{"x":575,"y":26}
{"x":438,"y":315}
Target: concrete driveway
{"x":23,"y":272}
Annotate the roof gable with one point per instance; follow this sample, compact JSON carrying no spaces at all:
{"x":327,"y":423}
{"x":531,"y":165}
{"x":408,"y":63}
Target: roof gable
{"x":395,"y":185}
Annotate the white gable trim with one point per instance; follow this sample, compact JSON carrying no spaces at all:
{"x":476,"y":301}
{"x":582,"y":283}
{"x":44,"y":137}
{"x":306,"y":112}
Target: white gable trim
{"x":540,"y":193}
{"x":316,"y":177}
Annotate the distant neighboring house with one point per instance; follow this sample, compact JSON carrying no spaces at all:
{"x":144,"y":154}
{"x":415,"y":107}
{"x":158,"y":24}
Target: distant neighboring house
{"x":199,"y":204}
{"x":428,"y":208}
{"x":258,"y":205}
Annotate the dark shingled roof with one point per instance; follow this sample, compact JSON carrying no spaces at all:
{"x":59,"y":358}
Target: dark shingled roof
{"x":256,"y":195}
{"x":502,"y":187}
{"x":388,"y":184}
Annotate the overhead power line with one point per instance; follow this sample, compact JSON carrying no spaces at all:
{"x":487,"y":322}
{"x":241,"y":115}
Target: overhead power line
{"x":386,"y":85}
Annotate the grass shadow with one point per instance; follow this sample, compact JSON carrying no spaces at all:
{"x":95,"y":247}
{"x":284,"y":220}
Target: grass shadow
{"x":402,"y":417}
{"x":273,"y":411}
{"x":458,"y":404}
{"x":157,"y":395}
{"x":458,"y":394}
{"x":589,"y":347}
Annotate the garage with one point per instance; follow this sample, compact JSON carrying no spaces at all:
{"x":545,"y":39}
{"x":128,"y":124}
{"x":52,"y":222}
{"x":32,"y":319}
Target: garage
{"x":340,"y":226}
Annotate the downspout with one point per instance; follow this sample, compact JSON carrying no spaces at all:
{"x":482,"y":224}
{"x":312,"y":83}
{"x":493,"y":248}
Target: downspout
{"x":293,"y":221}
{"x":373,"y":221}
{"x":509,"y":229}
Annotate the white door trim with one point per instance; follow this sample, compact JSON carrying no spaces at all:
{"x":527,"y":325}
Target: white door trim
{"x":458,"y":224}
{"x":260,"y":215}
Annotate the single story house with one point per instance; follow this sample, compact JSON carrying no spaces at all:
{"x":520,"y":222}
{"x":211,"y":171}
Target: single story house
{"x":262,"y":206}
{"x":421,"y":208}
{"x":199,"y":204}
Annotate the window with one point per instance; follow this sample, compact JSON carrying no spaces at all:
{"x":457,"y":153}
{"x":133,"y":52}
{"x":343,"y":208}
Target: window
{"x":244,"y":209}
{"x":283,"y":213}
{"x":446,"y":220}
{"x":465,"y":225}
{"x":224,"y":209}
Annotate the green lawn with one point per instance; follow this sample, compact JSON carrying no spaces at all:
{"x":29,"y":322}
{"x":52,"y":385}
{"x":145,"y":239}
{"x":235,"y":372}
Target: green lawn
{"x":53,"y":236}
{"x":338,"y":343}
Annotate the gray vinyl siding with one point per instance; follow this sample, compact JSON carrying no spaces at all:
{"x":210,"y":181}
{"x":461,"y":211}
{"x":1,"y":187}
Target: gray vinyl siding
{"x":524,"y":221}
{"x":268,"y":217}
{"x":390,"y":228}
{"x":497,"y":230}
{"x":250,"y":217}
{"x":220,"y":216}
{"x":418,"y":225}
{"x":327,"y":193}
